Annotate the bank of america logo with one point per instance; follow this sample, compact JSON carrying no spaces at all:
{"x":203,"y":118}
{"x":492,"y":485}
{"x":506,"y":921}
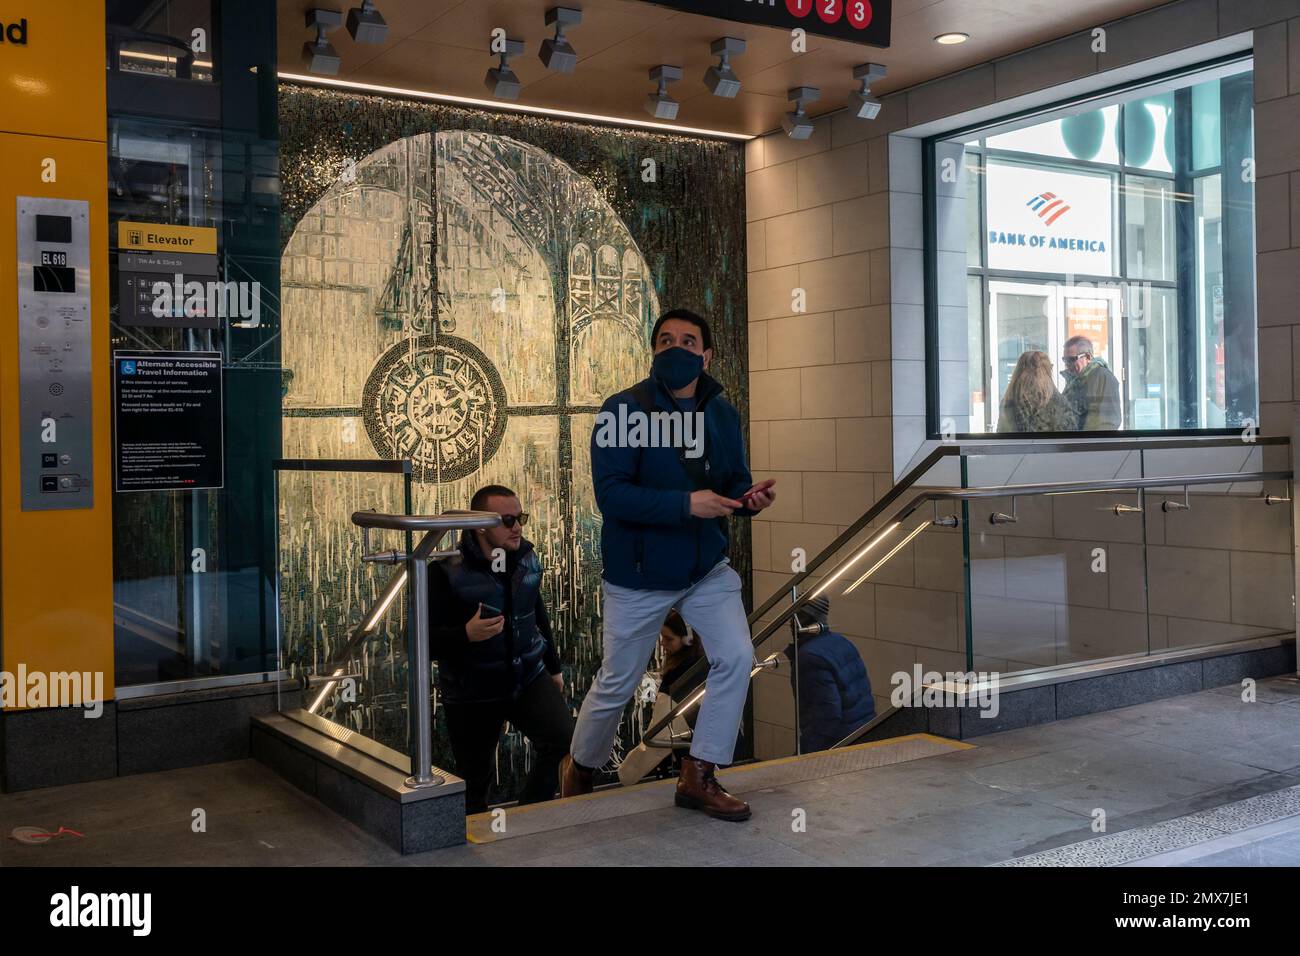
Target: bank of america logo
{"x":1048,"y":207}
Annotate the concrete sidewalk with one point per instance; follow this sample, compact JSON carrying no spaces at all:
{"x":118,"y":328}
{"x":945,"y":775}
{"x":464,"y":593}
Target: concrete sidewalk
{"x":1014,"y":794}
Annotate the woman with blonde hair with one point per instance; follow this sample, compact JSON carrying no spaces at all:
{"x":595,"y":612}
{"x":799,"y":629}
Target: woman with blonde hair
{"x":1031,"y":402}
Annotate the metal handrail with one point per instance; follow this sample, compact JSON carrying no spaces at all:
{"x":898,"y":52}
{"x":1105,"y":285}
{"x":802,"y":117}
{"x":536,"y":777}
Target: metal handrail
{"x":1003,"y":447}
{"x":416,"y":570}
{"x":920,"y":499}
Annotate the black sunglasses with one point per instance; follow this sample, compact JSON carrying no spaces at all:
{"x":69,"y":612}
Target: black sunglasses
{"x":508,"y":521}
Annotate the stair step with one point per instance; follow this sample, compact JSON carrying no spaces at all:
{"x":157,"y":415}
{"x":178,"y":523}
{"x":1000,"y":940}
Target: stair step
{"x":656,"y":795}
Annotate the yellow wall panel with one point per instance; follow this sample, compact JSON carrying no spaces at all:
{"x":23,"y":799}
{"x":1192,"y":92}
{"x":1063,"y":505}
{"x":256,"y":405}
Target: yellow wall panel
{"x":54,"y":85}
{"x":56,"y":567}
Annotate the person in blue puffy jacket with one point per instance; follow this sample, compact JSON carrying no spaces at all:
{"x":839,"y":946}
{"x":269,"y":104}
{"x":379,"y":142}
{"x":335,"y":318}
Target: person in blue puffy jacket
{"x":833,"y":687}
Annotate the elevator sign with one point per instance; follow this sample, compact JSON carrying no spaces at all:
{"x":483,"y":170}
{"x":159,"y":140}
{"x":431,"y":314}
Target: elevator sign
{"x":858,"y":21}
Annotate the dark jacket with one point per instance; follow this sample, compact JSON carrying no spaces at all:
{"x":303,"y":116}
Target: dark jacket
{"x":834,"y":690}
{"x":649,"y":540}
{"x":1094,"y":396}
{"x":502,"y":666}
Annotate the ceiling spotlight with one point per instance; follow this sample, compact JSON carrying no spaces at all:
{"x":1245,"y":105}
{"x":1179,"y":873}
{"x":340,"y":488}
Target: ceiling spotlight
{"x":797,"y":124}
{"x":557,"y":53}
{"x":366,"y":24}
{"x":320,"y":53}
{"x":860,"y":102}
{"x":721,"y":79}
{"x":659,"y":104}
{"x":950,"y":39}
{"x":502,"y":81}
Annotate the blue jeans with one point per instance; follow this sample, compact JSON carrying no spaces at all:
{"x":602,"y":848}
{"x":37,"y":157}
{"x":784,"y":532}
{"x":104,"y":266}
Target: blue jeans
{"x":713,"y":608}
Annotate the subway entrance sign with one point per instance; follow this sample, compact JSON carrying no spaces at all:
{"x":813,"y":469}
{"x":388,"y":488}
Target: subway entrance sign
{"x":858,"y":21}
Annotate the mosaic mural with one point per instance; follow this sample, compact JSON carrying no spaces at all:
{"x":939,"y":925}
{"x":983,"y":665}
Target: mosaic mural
{"x":463,"y":289}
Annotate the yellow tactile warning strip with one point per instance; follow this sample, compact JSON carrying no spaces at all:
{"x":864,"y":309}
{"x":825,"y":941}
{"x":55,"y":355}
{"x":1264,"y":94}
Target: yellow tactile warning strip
{"x":609,"y":804}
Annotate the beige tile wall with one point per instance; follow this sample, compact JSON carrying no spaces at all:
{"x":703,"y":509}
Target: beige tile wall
{"x":838,"y":390}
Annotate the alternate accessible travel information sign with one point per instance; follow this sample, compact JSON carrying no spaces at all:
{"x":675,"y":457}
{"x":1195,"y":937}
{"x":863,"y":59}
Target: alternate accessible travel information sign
{"x":858,"y":21}
{"x":167,"y":421}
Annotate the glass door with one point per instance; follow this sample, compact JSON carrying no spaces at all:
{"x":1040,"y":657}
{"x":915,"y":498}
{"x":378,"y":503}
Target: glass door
{"x":1023,"y":317}
{"x":1096,"y":313}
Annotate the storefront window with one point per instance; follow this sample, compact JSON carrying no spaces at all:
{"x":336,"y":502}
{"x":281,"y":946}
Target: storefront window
{"x":1116,"y":238}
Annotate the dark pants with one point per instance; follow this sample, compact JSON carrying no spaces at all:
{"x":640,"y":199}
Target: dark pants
{"x":540,"y":714}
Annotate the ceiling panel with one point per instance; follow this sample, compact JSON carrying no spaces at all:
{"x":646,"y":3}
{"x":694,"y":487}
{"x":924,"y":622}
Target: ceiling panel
{"x":441,"y":46}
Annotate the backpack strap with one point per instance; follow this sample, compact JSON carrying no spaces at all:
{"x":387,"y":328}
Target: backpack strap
{"x":697,"y":469}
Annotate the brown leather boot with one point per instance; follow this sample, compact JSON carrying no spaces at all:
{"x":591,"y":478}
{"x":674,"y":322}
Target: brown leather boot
{"x":698,"y":789}
{"x":573,"y":780}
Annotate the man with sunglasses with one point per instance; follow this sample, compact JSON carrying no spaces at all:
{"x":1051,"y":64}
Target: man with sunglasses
{"x":497,"y":660}
{"x":1091,"y":388}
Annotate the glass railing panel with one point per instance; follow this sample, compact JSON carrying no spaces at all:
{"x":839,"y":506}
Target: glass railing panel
{"x":1228,"y":459}
{"x":800,"y":527}
{"x":1061,"y":584}
{"x":332,"y":620}
{"x":1220,"y":563}
{"x":895,"y":603}
{"x":1030,"y":468}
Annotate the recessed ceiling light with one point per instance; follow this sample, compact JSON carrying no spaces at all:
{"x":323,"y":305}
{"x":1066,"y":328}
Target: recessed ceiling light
{"x":950,"y":39}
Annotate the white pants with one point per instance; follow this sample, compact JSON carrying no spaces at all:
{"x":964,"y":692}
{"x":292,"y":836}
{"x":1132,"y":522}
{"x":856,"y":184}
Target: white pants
{"x":714,"y":610}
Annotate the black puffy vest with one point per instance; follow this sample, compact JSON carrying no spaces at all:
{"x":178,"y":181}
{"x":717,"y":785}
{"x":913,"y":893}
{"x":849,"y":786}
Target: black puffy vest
{"x":502,"y":666}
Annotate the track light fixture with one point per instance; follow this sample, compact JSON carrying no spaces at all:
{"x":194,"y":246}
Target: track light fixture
{"x":366,"y":24}
{"x":320,"y":54}
{"x":721,"y":79}
{"x":659,"y":104}
{"x":557,"y":53}
{"x":860,"y":102}
{"x":797,"y":124}
{"x":502,"y":81}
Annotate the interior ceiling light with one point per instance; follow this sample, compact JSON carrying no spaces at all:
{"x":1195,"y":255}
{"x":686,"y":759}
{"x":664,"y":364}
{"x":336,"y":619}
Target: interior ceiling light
{"x":320,"y":54}
{"x":659,"y":104}
{"x":502,"y":81}
{"x":366,"y":24}
{"x":950,"y":39}
{"x":721,"y":79}
{"x":861,"y":103}
{"x":797,"y":124}
{"x":557,"y":53}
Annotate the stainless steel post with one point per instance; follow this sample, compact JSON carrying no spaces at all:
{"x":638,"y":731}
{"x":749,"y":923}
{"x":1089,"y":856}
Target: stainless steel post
{"x":422,"y":758}
{"x":436,"y":527}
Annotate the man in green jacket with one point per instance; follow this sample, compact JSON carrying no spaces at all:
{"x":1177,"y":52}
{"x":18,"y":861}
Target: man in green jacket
{"x":1091,"y":388}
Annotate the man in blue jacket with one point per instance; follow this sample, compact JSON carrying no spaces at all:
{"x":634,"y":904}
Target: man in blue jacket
{"x":664,"y":544}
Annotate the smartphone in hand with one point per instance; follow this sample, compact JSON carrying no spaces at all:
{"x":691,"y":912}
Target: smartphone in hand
{"x":487,"y":610}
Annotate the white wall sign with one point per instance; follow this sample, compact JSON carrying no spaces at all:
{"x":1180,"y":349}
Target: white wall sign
{"x":1042,"y":219}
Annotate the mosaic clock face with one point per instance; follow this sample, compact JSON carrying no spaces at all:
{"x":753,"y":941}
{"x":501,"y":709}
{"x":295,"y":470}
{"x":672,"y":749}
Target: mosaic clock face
{"x":438,"y":401}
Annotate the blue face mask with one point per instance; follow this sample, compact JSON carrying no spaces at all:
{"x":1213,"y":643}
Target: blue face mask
{"x":676,"y":367}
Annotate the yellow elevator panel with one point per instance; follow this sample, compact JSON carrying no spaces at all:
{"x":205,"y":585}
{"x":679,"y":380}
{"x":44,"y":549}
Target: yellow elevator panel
{"x":56,"y":567}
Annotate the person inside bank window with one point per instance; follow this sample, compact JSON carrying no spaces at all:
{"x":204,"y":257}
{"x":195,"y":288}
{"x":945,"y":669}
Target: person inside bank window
{"x":497,"y":659}
{"x":1031,"y":402}
{"x":1091,"y":387}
